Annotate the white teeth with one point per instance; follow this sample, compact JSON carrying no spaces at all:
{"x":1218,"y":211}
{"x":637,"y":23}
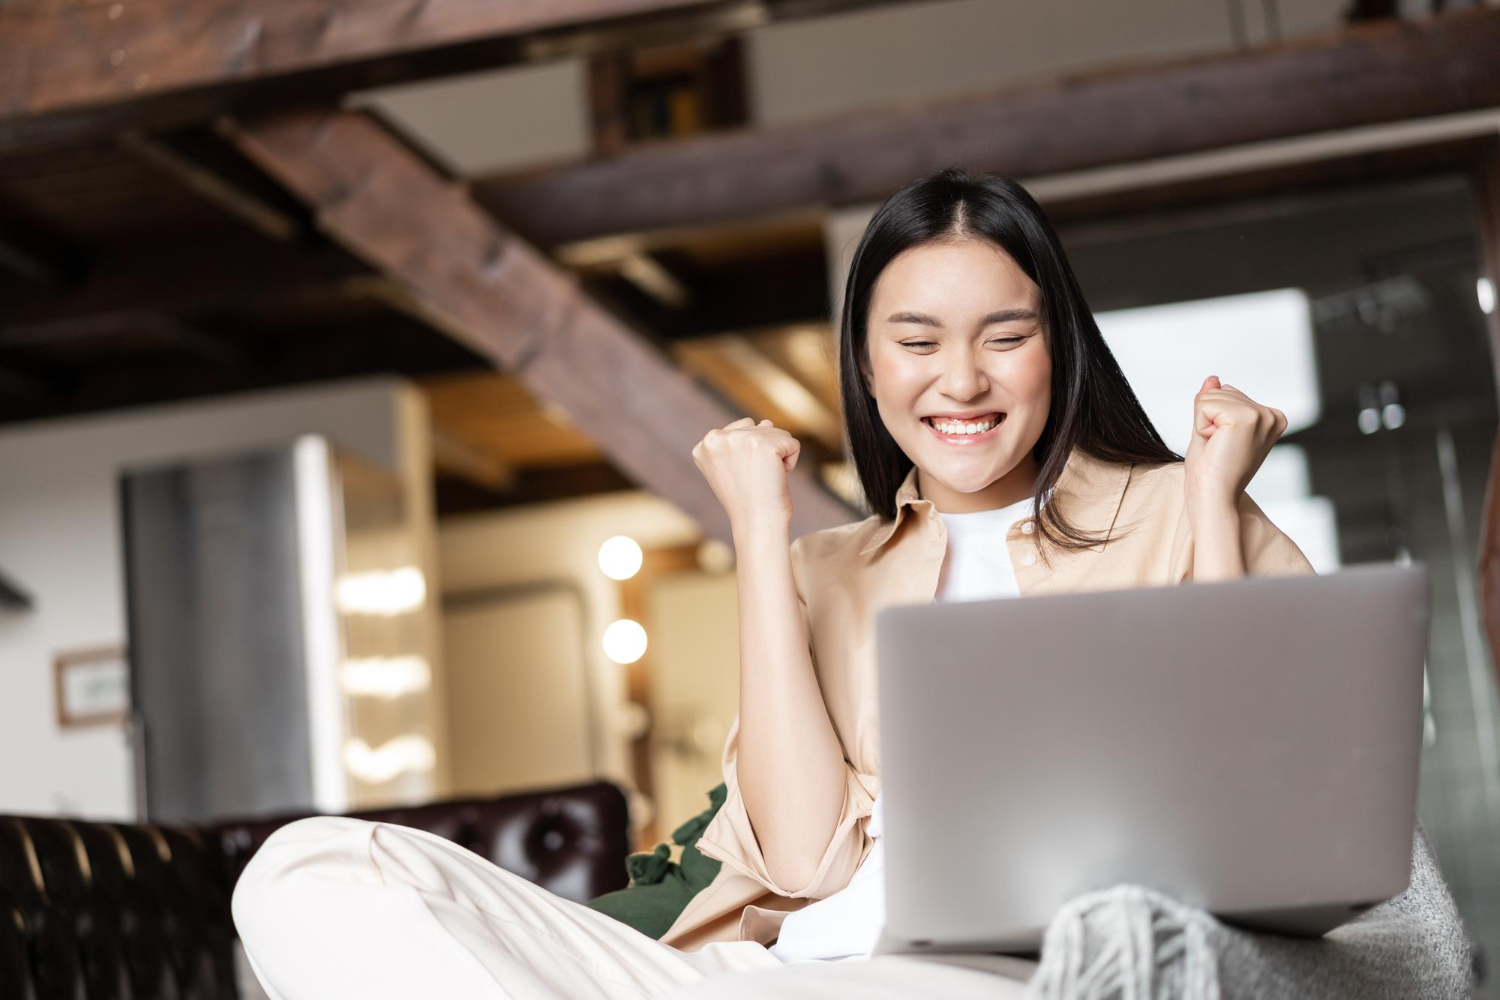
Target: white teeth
{"x":952,"y":427}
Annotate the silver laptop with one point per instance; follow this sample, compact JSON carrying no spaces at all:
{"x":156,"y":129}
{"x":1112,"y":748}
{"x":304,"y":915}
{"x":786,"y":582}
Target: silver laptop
{"x":1250,"y":748}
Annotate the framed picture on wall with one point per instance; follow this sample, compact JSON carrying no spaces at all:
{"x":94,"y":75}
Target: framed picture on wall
{"x":92,"y":685}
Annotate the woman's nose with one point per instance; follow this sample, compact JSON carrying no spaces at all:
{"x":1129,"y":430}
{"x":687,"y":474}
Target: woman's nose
{"x":963,"y":377}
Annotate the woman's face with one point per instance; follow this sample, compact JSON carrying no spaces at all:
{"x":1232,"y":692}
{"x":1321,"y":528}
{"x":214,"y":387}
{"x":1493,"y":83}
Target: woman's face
{"x":954,"y":331}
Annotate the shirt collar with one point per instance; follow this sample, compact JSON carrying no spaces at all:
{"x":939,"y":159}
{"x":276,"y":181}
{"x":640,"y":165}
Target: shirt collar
{"x":1088,"y":493}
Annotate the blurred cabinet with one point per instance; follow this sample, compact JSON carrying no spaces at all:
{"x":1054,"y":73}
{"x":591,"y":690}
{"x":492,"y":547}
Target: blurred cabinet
{"x":278,"y":653}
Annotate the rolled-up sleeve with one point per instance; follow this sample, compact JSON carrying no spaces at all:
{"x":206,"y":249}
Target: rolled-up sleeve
{"x":730,"y":837}
{"x":1268,"y":550}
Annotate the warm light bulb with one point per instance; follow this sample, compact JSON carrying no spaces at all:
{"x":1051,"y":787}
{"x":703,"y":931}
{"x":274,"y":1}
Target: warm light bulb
{"x":625,"y":641}
{"x":381,"y":592}
{"x":1486,"y":292}
{"x":377,"y":765}
{"x":385,"y":676}
{"x":620,"y":557}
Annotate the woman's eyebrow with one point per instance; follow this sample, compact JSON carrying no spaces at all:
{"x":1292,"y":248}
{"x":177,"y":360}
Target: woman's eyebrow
{"x":1000,"y":316}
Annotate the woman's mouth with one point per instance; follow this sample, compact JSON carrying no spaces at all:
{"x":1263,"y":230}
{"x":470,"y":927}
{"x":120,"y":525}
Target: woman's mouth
{"x":965,"y":432}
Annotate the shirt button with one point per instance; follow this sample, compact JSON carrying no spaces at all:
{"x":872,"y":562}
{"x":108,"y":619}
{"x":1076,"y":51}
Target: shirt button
{"x":1027,"y":527}
{"x":1028,"y":559}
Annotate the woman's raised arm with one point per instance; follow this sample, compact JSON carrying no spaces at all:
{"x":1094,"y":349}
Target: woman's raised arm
{"x":789,"y":765}
{"x":1232,"y":434}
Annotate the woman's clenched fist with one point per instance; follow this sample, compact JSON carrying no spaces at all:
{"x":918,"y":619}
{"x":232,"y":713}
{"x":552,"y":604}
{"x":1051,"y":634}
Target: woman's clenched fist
{"x":747,"y":465}
{"x":1232,"y":435}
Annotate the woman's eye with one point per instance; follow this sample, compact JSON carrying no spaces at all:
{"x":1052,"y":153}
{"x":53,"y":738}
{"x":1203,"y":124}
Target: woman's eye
{"x":995,"y":340}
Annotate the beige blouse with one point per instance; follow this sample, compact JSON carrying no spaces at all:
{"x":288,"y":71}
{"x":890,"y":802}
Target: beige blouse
{"x":845,"y":574}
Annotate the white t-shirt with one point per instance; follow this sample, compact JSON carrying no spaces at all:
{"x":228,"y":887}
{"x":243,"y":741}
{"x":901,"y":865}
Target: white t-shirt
{"x":846,"y":924}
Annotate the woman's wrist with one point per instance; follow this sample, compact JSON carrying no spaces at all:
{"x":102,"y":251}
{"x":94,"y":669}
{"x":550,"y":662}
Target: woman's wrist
{"x":1217,"y":552}
{"x":771,"y":533}
{"x":1215,"y":507}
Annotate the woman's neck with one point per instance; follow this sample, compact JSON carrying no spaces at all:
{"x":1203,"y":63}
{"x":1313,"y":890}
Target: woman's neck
{"x":1013,"y":487}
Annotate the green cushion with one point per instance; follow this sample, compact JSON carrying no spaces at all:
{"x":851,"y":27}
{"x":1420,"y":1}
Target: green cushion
{"x":660,"y":888}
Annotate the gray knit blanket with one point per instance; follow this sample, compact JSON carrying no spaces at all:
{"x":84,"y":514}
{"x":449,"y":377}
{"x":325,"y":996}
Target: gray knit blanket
{"x":1129,"y":943}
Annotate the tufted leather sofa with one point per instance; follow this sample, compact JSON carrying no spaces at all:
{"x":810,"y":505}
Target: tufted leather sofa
{"x":115,"y":911}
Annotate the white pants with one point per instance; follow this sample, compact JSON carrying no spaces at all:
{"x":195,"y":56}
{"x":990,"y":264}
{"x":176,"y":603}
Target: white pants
{"x":334,"y":907}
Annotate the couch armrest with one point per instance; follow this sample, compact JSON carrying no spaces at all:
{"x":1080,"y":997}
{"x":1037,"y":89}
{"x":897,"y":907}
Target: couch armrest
{"x":570,"y":841}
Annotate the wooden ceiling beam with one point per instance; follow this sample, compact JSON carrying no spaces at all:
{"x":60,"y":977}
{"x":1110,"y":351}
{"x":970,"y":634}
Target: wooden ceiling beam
{"x":77,"y":68}
{"x":180,"y":280}
{"x":27,"y":263}
{"x":152,"y":374}
{"x":33,"y":257}
{"x":158,"y":326}
{"x":161,"y":151}
{"x":508,"y":302}
{"x":457,"y":494}
{"x":760,"y":385}
{"x":19,"y":382}
{"x":1366,"y":75}
{"x":198,"y":343}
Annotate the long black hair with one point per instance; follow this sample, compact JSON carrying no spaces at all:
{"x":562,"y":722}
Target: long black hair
{"x":1093,"y":406}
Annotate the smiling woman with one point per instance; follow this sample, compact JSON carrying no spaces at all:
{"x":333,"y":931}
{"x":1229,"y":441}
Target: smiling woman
{"x":999,"y":447}
{"x":976,"y":386}
{"x":960,"y":306}
{"x":974,"y":374}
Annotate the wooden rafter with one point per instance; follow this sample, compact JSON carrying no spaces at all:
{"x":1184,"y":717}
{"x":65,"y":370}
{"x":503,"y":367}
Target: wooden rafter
{"x":158,"y":326}
{"x":22,"y":383}
{"x":1367,"y":75}
{"x":68,"y":68}
{"x":244,"y":205}
{"x":746,"y":374}
{"x":35,"y":264}
{"x":507,"y":301}
{"x":493,"y":413}
{"x":177,"y":280}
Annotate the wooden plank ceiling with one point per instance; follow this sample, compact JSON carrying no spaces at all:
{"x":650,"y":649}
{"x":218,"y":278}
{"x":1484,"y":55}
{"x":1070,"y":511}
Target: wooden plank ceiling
{"x":126,"y":282}
{"x":471,"y":277}
{"x":1366,"y":75}
{"x":142,"y":263}
{"x":72,"y":69}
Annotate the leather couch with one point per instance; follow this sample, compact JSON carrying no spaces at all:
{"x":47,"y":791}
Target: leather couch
{"x":117,"y":911}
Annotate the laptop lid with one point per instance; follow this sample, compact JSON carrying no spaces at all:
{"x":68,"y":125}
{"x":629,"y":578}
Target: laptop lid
{"x":1248,"y":747}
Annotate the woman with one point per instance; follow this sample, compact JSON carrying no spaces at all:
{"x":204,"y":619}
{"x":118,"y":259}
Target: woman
{"x":959,"y":305}
{"x":981,"y":404}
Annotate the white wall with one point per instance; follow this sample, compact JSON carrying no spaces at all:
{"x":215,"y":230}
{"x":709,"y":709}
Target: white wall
{"x":60,"y":540}
{"x":694,"y":624}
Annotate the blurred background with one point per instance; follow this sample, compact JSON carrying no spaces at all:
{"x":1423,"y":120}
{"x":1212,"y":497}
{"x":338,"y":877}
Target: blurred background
{"x":351,"y":358}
